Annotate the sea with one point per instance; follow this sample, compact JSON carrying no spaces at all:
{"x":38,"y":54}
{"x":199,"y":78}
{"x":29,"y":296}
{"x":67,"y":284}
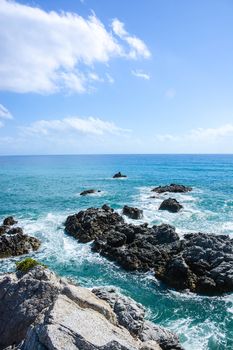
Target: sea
{"x":41,"y":191}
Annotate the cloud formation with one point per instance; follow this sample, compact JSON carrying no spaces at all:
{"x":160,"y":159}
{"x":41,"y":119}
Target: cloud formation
{"x":58,"y":50}
{"x":4,"y":114}
{"x":90,"y":125}
{"x":137,"y":46}
{"x":140,"y":74}
{"x":200,"y":134}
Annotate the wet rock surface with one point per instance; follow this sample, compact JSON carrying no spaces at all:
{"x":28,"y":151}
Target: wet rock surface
{"x":132,"y":213}
{"x":199,"y":262}
{"x":175,"y":188}
{"x":92,"y":223}
{"x":91,"y":191}
{"x":118,"y":175}
{"x":13,"y":241}
{"x":41,"y":311}
{"x":171,"y":205}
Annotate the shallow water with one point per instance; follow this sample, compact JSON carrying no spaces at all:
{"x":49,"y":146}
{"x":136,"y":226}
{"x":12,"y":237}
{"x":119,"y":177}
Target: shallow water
{"x":42,"y":190}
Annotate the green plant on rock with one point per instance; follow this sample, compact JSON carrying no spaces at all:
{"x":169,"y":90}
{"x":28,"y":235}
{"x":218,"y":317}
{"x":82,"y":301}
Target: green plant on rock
{"x":27,"y":264}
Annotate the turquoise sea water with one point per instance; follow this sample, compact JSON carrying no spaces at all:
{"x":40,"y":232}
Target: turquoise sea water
{"x":42,"y":190}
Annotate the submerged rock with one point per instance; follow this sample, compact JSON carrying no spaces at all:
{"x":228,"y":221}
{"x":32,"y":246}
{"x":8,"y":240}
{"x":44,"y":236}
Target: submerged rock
{"x":171,"y":204}
{"x":132,"y":213}
{"x":86,"y":192}
{"x":118,"y":175}
{"x":202,"y":263}
{"x":40,"y":311}
{"x":172,"y":188}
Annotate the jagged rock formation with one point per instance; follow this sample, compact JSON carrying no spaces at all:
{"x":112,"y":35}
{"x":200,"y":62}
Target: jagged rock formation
{"x":13,"y":241}
{"x":40,"y":311}
{"x":171,"y":204}
{"x":172,"y":188}
{"x":132,"y":213}
{"x":131,"y":315}
{"x":91,"y":223}
{"x":202,"y":263}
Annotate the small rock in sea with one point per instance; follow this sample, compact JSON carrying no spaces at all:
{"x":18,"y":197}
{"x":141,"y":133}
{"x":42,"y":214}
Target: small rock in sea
{"x":171,"y":204}
{"x":172,"y":188}
{"x":132,"y":213}
{"x":118,"y":175}
{"x":17,"y":244}
{"x":9,"y":221}
{"x":86,"y":192}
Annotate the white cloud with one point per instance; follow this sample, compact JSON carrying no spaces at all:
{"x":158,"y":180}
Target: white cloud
{"x":4,"y":113}
{"x":140,"y":74}
{"x":137,"y":46}
{"x":90,"y":125}
{"x":170,"y":93}
{"x":45,"y":52}
{"x":200,"y":134}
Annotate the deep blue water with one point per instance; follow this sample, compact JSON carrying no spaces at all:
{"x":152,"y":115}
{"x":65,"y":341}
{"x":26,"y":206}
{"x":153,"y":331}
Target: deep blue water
{"x":42,"y":190}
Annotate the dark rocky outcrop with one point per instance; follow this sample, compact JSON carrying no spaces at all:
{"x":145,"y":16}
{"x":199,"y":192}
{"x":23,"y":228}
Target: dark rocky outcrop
{"x":41,"y":311}
{"x":91,"y":223}
{"x":86,"y":192}
{"x":202,"y":263}
{"x":9,"y":221}
{"x":132,"y":213}
{"x":170,"y":204}
{"x":172,"y":188}
{"x":17,"y":244}
{"x":118,"y":175}
{"x":13,"y":241}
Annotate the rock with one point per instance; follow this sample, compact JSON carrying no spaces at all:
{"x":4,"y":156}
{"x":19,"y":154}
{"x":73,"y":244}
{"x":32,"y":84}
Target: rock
{"x":118,"y":175}
{"x":170,"y":204}
{"x":166,"y":339}
{"x":91,"y":223}
{"x":86,"y":192}
{"x":9,"y":221}
{"x":40,"y":311}
{"x":3,"y":229}
{"x":17,"y":244}
{"x":132,"y":213}
{"x":202,"y":263}
{"x":15,"y":230}
{"x":131,"y":315}
{"x":172,"y":188}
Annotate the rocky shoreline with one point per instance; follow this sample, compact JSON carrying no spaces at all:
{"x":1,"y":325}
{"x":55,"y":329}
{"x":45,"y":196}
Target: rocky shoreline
{"x":40,"y":311}
{"x":199,"y":262}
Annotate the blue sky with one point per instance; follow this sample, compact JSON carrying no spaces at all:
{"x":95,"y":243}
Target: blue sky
{"x":110,"y":76}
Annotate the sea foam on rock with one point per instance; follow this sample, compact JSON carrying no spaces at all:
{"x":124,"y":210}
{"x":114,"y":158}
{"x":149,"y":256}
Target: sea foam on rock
{"x":132,"y":213}
{"x":175,"y":188}
{"x":199,"y":262}
{"x":13,"y":241}
{"x":41,"y":311}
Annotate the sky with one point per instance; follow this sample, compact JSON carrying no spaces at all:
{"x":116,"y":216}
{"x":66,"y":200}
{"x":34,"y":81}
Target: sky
{"x":111,"y":76}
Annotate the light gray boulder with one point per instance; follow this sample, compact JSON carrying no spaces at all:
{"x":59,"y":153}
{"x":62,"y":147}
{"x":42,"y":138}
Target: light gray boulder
{"x":39,"y":311}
